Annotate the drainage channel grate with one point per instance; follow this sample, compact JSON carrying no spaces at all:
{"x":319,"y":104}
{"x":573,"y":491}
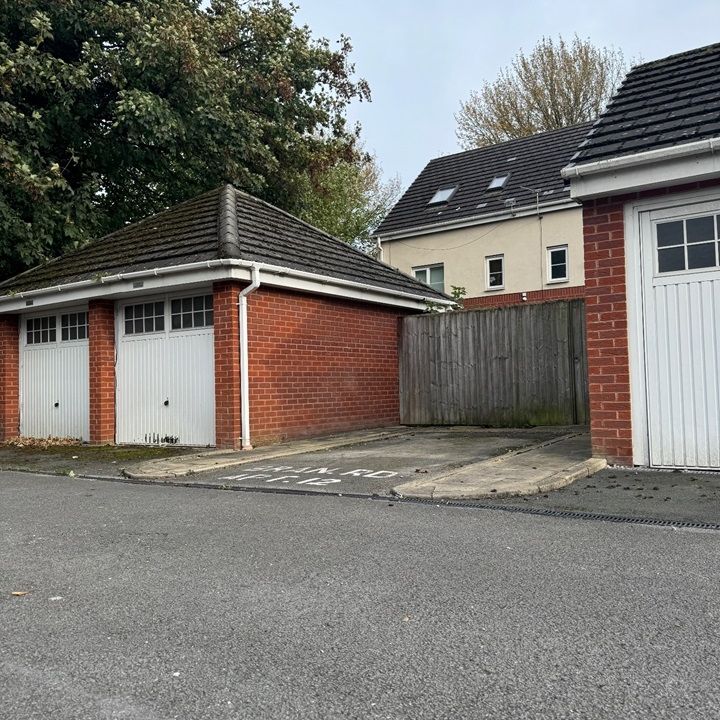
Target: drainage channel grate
{"x":568,"y":514}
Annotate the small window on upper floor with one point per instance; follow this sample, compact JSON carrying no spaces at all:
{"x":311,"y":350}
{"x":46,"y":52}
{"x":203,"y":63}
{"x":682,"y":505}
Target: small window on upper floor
{"x":495,"y":272}
{"x":557,"y":260}
{"x":498,"y":182}
{"x":442,"y":195}
{"x":432,"y":275}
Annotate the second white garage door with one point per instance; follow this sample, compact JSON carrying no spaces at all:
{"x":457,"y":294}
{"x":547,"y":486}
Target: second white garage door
{"x":166,"y":371}
{"x":681,"y":298}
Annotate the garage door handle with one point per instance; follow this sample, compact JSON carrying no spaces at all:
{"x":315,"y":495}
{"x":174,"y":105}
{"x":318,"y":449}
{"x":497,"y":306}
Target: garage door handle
{"x":166,"y":403}
{"x":57,"y":404}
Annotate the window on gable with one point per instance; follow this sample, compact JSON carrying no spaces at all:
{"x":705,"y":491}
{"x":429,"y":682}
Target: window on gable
{"x":191,"y":312}
{"x":557,"y":258}
{"x":432,"y":275}
{"x":442,"y":195}
{"x":41,"y":330}
{"x":495,"y":272}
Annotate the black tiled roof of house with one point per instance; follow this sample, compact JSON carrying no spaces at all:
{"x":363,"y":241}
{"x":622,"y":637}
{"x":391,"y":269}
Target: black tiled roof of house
{"x":663,"y":103}
{"x":221,"y":223}
{"x":532,"y":162}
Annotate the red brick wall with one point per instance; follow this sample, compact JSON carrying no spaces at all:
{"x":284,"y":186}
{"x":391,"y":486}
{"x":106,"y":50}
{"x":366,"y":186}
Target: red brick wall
{"x":227,"y":364}
{"x":101,"y":347}
{"x":9,"y":377}
{"x":607,"y":322}
{"x":532,"y":296}
{"x":320,"y":365}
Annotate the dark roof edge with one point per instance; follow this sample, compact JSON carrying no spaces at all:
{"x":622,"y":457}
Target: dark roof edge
{"x":511,"y":141}
{"x":228,"y":244}
{"x":566,"y":203}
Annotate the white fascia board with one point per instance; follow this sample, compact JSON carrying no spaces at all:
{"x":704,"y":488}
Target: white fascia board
{"x":680,"y":164}
{"x":487,"y":219}
{"x":203,"y":273}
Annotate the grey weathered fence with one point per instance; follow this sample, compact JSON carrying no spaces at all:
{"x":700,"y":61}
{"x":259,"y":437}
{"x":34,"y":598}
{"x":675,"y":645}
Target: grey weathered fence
{"x":512,"y":366}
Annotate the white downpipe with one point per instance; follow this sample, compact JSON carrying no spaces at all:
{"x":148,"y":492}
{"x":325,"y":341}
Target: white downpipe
{"x":245,"y":443}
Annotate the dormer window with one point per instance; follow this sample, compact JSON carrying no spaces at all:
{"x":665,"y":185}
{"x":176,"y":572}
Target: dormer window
{"x":498,"y":182}
{"x":442,"y":195}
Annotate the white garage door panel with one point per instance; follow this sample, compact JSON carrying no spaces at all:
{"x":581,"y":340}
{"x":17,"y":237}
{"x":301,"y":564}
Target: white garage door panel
{"x":682,"y":343}
{"x":49,"y":375}
{"x":166,"y":385}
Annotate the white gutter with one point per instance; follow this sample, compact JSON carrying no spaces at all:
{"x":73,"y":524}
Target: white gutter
{"x":273,"y":270}
{"x":244,"y":362}
{"x":484,"y":219}
{"x":676,"y":152}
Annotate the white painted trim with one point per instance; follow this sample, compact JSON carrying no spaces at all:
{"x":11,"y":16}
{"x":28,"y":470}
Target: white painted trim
{"x":548,"y":264}
{"x":636,"y":310}
{"x":488,"y":218}
{"x":699,"y":147}
{"x":642,"y":175}
{"x":488,"y":258}
{"x":160,"y":279}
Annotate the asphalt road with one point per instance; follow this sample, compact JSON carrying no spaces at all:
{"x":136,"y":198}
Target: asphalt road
{"x":152,"y":602}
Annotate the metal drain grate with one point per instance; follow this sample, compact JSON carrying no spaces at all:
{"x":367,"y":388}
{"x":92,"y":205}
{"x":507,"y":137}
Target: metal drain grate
{"x":568,"y":514}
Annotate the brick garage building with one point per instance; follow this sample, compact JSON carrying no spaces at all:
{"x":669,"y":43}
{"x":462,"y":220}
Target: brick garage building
{"x":223,"y":321}
{"x":648,"y":176}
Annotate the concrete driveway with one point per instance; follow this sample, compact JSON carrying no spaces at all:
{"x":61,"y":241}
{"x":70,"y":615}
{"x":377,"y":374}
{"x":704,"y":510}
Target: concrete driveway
{"x":369,"y":467}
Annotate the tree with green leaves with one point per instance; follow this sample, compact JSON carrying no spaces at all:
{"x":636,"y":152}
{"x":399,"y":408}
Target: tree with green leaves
{"x":556,"y":85}
{"x":350,"y":199}
{"x":110,"y":111}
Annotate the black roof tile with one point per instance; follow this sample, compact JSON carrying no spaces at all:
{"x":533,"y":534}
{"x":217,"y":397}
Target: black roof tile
{"x":221,"y":223}
{"x":660,"y":104}
{"x":532,"y":162}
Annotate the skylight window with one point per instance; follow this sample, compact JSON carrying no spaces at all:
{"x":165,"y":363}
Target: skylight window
{"x":442,"y":195}
{"x":498,"y":182}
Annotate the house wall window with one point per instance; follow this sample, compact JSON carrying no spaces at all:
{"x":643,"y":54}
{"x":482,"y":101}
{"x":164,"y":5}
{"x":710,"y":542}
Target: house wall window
{"x":432,"y":275}
{"x":557,"y":260}
{"x":495,"y":272}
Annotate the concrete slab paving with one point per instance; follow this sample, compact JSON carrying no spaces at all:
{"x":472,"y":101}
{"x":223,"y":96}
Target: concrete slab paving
{"x":538,"y":468}
{"x":368,"y":466}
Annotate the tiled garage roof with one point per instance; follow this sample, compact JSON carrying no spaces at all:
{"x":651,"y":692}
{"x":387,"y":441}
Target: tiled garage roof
{"x":221,"y":223}
{"x":663,"y":103}
{"x":532,"y":162}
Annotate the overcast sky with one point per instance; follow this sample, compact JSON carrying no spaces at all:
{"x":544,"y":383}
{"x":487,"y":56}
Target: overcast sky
{"x":421,"y":57}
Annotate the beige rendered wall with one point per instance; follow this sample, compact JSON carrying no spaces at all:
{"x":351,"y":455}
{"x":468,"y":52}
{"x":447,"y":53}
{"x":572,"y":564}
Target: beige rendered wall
{"x":523,"y":241}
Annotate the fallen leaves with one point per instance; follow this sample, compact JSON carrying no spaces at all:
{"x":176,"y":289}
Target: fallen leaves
{"x":19,"y":593}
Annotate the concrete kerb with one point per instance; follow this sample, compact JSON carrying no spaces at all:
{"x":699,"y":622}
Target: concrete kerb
{"x":520,"y":472}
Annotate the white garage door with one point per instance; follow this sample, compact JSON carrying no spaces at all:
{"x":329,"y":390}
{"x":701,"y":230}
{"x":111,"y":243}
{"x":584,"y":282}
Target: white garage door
{"x":166,"y":371}
{"x":54,"y":400}
{"x":681,"y":299}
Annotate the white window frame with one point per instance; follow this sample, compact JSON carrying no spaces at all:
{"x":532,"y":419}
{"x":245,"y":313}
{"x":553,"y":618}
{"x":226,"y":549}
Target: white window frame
{"x":488,"y":259}
{"x":166,"y":298}
{"x":554,"y":248}
{"x":427,"y":269}
{"x":57,"y":314}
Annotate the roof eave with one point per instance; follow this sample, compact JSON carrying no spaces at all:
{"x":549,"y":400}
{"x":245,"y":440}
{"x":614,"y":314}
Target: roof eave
{"x":663,"y":167}
{"x":278,"y":276}
{"x":484,"y":219}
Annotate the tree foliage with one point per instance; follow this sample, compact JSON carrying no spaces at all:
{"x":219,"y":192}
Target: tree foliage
{"x":110,"y":111}
{"x":350,"y":199}
{"x":557,"y":85}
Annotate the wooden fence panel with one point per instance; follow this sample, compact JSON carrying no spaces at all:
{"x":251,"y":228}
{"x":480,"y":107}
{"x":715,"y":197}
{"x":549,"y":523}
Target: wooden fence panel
{"x":512,"y":366}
